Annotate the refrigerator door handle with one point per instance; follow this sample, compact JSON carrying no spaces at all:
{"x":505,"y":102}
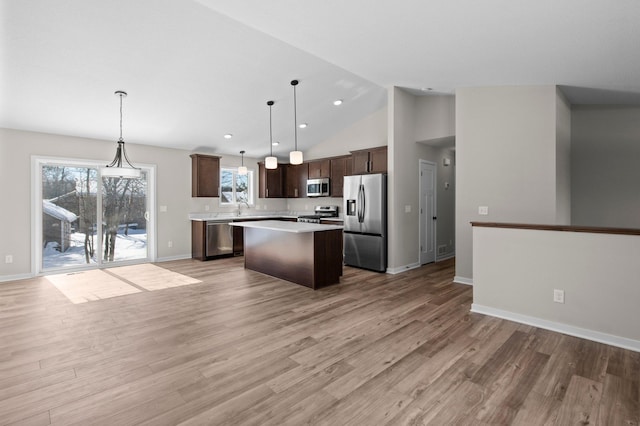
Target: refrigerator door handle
{"x":364,"y":204}
{"x":361,"y":203}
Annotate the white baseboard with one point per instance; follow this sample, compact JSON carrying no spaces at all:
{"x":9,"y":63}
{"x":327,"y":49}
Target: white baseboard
{"x":596,"y":336}
{"x":4,"y":278}
{"x":404,"y":268}
{"x":462,"y":280}
{"x":178,"y":257}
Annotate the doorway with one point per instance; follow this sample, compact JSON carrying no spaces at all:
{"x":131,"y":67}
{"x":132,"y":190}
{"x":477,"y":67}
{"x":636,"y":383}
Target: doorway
{"x":84,"y":221}
{"x":427,"y":217}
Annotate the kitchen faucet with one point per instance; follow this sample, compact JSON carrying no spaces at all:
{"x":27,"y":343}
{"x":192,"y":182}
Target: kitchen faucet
{"x":240,"y":203}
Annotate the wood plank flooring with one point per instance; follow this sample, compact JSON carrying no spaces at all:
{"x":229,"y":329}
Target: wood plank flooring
{"x":242,"y":348}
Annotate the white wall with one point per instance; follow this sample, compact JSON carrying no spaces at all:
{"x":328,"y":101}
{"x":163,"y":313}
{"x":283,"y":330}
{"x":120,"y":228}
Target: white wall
{"x":402,"y":182}
{"x":506,"y":156}
{"x":429,"y":118}
{"x":369,"y":132}
{"x":516,"y":271}
{"x":605,"y":166}
{"x":563,"y":159}
{"x":435,"y":117}
{"x":173,"y":183}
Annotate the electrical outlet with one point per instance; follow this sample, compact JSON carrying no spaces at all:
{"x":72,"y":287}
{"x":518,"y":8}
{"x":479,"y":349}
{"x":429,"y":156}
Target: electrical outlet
{"x":558,"y":296}
{"x":206,"y":208}
{"x":8,"y":258}
{"x":170,"y":244}
{"x":483,"y":210}
{"x":407,"y":208}
{"x":163,"y":209}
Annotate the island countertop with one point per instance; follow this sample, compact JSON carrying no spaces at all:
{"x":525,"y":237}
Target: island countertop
{"x":295,"y":227}
{"x":206,"y":217}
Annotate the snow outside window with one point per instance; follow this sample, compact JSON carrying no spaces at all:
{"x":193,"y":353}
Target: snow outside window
{"x":235,"y":188}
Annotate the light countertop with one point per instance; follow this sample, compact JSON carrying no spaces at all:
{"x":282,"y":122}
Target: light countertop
{"x":296,"y":227}
{"x":203,"y":217}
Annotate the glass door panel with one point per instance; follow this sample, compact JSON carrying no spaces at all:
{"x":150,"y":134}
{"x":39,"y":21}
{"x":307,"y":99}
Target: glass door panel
{"x":124,"y":219}
{"x":69,"y":232}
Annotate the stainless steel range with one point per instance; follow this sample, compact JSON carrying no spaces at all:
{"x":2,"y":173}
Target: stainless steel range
{"x":320,"y":212}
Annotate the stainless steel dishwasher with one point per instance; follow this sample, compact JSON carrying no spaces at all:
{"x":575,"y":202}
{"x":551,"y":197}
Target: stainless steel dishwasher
{"x":219,"y":237}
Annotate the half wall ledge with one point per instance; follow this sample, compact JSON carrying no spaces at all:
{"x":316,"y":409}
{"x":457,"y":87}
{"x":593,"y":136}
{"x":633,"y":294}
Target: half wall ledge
{"x":517,"y":269}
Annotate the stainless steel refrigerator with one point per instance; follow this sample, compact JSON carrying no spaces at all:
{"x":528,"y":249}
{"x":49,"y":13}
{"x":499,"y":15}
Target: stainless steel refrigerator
{"x":365,"y":221}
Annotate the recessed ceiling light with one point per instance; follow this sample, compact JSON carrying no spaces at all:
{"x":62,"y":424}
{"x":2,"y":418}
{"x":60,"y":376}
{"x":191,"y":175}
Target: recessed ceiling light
{"x":228,"y":136}
{"x":427,"y":89}
{"x":275,"y":143}
{"x":337,"y":102}
{"x":303,"y":125}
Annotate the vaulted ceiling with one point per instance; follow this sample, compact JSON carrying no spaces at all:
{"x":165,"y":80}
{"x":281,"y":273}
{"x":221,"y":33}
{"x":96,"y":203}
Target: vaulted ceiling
{"x":196,"y":70}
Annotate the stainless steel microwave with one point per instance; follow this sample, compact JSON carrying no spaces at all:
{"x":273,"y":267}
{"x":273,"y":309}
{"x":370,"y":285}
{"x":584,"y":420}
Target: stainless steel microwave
{"x":318,"y":187}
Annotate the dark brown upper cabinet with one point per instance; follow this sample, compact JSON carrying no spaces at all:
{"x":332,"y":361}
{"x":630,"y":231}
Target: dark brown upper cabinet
{"x":340,"y":167}
{"x":320,"y":168}
{"x":296,"y":180}
{"x":271,"y":183}
{"x":372,"y":160}
{"x":205,"y":175}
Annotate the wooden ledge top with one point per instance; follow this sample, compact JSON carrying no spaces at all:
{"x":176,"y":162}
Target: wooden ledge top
{"x":563,"y":228}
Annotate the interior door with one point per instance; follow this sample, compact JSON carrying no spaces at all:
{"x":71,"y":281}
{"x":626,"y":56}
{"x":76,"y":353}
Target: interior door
{"x":427,"y":212}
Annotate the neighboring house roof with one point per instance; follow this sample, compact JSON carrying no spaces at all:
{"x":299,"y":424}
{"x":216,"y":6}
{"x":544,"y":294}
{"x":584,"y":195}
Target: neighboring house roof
{"x":58,"y":212}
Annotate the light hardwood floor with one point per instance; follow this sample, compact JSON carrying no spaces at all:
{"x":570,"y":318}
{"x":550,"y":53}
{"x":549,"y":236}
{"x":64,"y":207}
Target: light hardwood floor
{"x":243,"y":348}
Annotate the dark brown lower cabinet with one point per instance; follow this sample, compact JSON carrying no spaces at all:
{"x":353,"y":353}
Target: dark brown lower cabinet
{"x":199,"y":239}
{"x":311,"y":259}
{"x":238,"y":241}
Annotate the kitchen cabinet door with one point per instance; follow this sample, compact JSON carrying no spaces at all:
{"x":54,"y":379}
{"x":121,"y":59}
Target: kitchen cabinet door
{"x":205,"y":175}
{"x":296,"y":180}
{"x":270,"y":182}
{"x":320,"y":169}
{"x":378,"y":160}
{"x":372,"y":160}
{"x":360,"y":162}
{"x":340,"y":167}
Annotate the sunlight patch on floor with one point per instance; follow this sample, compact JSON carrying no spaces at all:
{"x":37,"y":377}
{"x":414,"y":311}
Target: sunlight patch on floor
{"x":152,"y":277}
{"x":81,"y":287}
{"x":97,"y":284}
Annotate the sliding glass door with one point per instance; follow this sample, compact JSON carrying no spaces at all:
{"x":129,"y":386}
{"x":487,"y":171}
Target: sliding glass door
{"x":87,"y":221}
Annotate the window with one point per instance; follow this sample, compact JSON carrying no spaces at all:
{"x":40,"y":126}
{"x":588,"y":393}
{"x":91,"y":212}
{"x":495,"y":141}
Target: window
{"x":235,"y":188}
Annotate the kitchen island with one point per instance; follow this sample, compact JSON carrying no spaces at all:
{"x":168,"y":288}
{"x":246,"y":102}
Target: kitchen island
{"x":308,"y":254}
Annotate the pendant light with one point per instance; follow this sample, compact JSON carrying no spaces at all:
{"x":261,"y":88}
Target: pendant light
{"x":120,"y":167}
{"x":242,"y":170}
{"x":295,"y":157}
{"x":270,"y":162}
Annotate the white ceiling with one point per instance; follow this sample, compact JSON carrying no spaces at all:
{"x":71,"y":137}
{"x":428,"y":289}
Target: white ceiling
{"x":196,"y":70}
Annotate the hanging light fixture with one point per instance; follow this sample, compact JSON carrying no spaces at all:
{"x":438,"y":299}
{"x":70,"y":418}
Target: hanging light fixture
{"x":121,"y":167}
{"x":295,"y":157}
{"x":270,"y":162}
{"x":242,"y":170}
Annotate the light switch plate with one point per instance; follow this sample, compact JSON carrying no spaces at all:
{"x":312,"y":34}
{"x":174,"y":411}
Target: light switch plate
{"x":483,"y":210}
{"x":407,"y":208}
{"x":163,"y":209}
{"x":558,"y":296}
